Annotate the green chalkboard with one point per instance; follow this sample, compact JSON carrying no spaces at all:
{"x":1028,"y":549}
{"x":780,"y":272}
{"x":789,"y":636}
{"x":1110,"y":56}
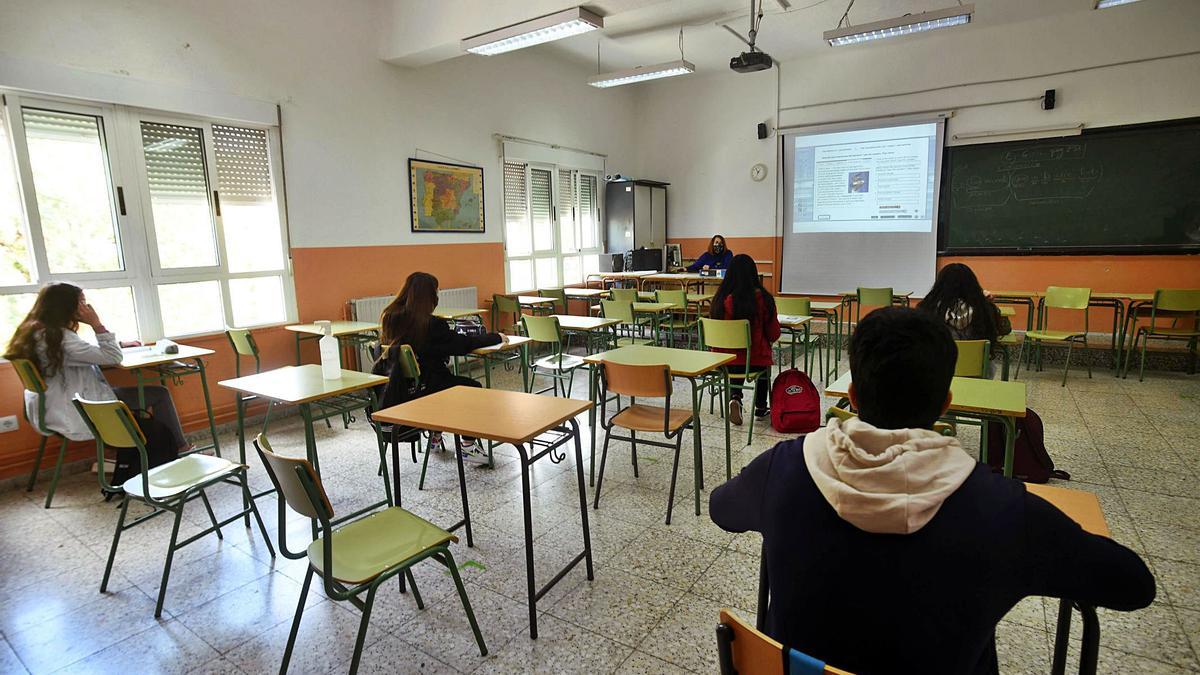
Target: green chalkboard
{"x":1123,"y":189}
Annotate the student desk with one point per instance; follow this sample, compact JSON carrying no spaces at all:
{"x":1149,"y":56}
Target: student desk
{"x":686,"y":363}
{"x":595,"y":329}
{"x":505,"y":417}
{"x":1083,"y":508}
{"x":655,"y":310}
{"x":350,"y":334}
{"x":792,"y":323}
{"x":591,"y":296}
{"x":451,"y":313}
{"x":984,"y":400}
{"x":497,"y":352}
{"x":170,"y":367}
{"x":831,"y":312}
{"x":1027,"y":298}
{"x":1125,"y":308}
{"x":536,"y":303}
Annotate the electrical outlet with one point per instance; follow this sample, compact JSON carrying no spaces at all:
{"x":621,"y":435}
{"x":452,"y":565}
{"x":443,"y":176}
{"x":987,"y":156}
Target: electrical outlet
{"x":8,"y":423}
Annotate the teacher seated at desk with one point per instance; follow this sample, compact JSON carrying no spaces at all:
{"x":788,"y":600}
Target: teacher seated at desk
{"x":717,"y":257}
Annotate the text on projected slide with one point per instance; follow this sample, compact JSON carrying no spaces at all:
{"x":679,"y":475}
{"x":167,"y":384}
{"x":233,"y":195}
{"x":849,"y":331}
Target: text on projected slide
{"x":869,"y":180}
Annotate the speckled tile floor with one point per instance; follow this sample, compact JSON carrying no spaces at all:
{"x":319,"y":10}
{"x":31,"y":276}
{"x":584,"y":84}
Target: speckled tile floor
{"x":652,"y":606}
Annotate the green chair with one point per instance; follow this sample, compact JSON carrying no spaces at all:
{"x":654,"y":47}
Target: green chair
{"x":1176,"y":306}
{"x":623,"y":312}
{"x":678,"y":298}
{"x":789,"y":339}
{"x":559,"y":366}
{"x":503,"y":304}
{"x":974,"y":357}
{"x":31,"y":378}
{"x":242,"y":341}
{"x":653,"y":381}
{"x":624,"y":294}
{"x":361,"y":554}
{"x":845,"y":414}
{"x":872,"y":297}
{"x":732,"y":334}
{"x":560,"y":298}
{"x":1059,"y":297}
{"x":166,"y":488}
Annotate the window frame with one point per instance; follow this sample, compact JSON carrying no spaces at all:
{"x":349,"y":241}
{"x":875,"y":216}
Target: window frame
{"x":120,"y":129}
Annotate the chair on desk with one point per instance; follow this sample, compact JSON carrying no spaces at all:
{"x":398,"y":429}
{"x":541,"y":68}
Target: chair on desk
{"x":1058,"y":297}
{"x":1180,"y":308}
{"x":364,"y":551}
{"x":166,"y":488}
{"x":743,"y":650}
{"x":33,"y":382}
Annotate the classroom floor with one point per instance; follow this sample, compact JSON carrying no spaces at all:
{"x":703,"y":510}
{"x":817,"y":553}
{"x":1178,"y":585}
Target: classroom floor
{"x":652,"y":607}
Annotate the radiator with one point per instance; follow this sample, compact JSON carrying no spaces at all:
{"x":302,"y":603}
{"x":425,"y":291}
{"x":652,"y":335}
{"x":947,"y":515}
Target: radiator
{"x":369,"y":309}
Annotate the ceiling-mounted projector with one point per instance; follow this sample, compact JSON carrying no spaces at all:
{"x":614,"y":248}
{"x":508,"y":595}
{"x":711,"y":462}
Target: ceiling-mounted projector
{"x":750,"y":62}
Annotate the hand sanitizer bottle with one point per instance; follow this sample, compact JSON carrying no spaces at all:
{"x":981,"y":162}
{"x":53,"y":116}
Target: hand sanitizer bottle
{"x":331,"y":358}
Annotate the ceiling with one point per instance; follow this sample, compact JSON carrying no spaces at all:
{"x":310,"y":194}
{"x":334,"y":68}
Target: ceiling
{"x":643,"y":32}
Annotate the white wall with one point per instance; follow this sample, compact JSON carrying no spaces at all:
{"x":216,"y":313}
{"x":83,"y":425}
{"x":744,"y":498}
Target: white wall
{"x":350,"y":120}
{"x":698,"y":133}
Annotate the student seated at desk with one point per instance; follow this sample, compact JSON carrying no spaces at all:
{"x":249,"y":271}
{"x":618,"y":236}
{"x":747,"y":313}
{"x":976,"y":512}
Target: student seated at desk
{"x":741,"y":296}
{"x":957,"y":298}
{"x":717,"y":257}
{"x":408,"y":319}
{"x":70,"y":365}
{"x":890,"y":550}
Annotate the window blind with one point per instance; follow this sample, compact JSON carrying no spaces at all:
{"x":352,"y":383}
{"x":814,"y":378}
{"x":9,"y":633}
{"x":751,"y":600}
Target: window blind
{"x":174,"y":160}
{"x":515,"y":206}
{"x":243,"y":163}
{"x":60,"y":126}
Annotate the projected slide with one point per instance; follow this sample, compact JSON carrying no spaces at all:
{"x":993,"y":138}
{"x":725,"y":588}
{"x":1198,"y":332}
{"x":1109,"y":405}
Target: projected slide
{"x":867,"y":180}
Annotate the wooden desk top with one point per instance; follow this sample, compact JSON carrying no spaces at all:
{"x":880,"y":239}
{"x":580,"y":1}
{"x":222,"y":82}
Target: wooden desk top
{"x":534,"y":300}
{"x":455,"y":313}
{"x":1081,"y":507}
{"x":1007,"y":311}
{"x":623,"y":275}
{"x":1115,"y":295}
{"x":685,"y":362}
{"x":676,"y":276}
{"x":895,"y":294}
{"x":133,"y":358}
{"x":514,"y":342}
{"x":494,"y":414}
{"x":301,"y":384}
{"x":649,"y":296}
{"x":585,"y":292}
{"x":970,"y":395}
{"x":793,"y":320}
{"x":338,"y":328}
{"x":824,"y":305}
{"x":573,"y":322}
{"x":654,"y":307}
{"x":1027,"y":295}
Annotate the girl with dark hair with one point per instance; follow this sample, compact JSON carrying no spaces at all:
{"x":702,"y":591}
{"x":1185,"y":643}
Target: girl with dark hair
{"x":408,"y":319}
{"x":70,"y":365}
{"x":742,"y":296}
{"x":717,"y":257}
{"x":959,"y":300}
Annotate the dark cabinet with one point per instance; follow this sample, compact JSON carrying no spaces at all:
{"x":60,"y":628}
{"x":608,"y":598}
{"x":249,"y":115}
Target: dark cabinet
{"x":635,"y":215}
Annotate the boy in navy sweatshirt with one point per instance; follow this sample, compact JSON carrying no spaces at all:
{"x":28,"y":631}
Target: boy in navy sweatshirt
{"x":888,"y":548}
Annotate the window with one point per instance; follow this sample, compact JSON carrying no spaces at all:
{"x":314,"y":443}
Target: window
{"x":551,"y":225}
{"x":171,"y":224}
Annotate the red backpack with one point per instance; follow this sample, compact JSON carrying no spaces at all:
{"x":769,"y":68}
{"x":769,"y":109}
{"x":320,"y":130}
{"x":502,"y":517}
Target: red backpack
{"x":1031,"y":462}
{"x":795,"y":403}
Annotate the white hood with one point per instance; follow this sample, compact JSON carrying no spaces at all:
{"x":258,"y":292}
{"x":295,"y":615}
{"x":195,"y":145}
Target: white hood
{"x":889,"y":481}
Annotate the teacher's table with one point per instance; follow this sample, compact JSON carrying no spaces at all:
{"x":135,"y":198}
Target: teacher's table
{"x":974,"y":398}
{"x":1083,"y":508}
{"x":686,"y":280}
{"x":505,"y":417}
{"x":170,"y":367}
{"x":609,"y":278}
{"x":350,"y":334}
{"x":686,"y":363}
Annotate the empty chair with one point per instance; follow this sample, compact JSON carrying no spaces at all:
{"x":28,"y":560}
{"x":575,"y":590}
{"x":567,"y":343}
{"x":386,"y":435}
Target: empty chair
{"x":166,"y":488}
{"x":872,"y":297}
{"x":974,"y":358}
{"x":1180,"y":308}
{"x":32,"y":380}
{"x":680,"y":316}
{"x":652,"y":381}
{"x":790,"y":339}
{"x":743,"y":650}
{"x":559,"y":366}
{"x":1059,"y":297}
{"x":358,"y":556}
{"x":623,"y":312}
{"x":503,"y":304}
{"x":560,"y":298}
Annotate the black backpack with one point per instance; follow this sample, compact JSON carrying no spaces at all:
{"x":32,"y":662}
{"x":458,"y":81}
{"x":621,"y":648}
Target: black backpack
{"x":1031,"y":462}
{"x":160,"y":449}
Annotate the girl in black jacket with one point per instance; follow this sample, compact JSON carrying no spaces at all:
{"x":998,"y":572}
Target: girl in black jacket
{"x":409,"y":319}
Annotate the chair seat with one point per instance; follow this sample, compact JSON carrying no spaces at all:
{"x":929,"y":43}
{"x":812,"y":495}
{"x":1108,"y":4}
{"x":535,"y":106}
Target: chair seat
{"x":754,"y":375}
{"x":1169,"y":332}
{"x":178,"y":476}
{"x":640,"y":417}
{"x":1052,"y":335}
{"x":551,"y":362}
{"x":366,"y":548}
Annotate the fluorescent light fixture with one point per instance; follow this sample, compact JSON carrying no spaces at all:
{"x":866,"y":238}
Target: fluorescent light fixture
{"x":912,"y":23}
{"x":642,"y":73}
{"x":534,"y":32}
{"x":1105,"y":4}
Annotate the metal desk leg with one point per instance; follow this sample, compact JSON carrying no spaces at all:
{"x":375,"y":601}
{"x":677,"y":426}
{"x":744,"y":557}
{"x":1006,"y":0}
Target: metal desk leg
{"x":583,"y":510}
{"x":1062,"y":635}
{"x":141,"y":385}
{"x":462,"y":486}
{"x":212,"y":424}
{"x":241,"y":432}
{"x":1010,"y":440}
{"x":297,"y":348}
{"x":531,"y":595}
{"x":592,"y":368}
{"x":697,"y":457}
{"x":725,"y":403}
{"x":1089,"y":648}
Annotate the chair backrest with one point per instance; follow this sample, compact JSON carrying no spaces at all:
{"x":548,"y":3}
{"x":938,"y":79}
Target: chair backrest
{"x":625,"y":294}
{"x":31,"y":377}
{"x":560,"y":298}
{"x":406,"y":361}
{"x":616,"y":309}
{"x":797,"y":306}
{"x":725,"y":333}
{"x":242,"y":341}
{"x":652,"y":380}
{"x":744,"y":650}
{"x":296,"y":480}
{"x":676,"y":297}
{"x":111,"y":422}
{"x":874,"y":297}
{"x":503,"y":304}
{"x":1173,"y":300}
{"x":541,"y":328}
{"x":973,"y":356}
{"x":843,"y":414}
{"x":1065,"y":297}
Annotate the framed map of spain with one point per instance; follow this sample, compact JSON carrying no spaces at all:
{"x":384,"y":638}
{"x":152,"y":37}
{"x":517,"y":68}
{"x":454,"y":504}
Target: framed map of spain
{"x":445,"y":197}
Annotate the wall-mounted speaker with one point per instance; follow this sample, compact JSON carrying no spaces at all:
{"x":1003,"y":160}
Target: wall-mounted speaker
{"x":1048,"y":99}
{"x":763,"y":132}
